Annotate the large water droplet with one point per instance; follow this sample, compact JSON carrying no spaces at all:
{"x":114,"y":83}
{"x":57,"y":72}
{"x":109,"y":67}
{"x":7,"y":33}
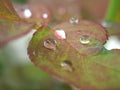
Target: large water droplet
{"x":27,"y":13}
{"x":60,"y":34}
{"x":85,"y":39}
{"x":67,"y":65}
{"x":50,"y":44}
{"x":74,"y":20}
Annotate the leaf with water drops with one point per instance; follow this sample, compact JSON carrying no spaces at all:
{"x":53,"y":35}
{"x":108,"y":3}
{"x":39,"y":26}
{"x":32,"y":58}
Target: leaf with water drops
{"x":50,"y":44}
{"x":81,"y":59}
{"x":44,"y":12}
{"x":11,"y":26}
{"x":34,"y":12}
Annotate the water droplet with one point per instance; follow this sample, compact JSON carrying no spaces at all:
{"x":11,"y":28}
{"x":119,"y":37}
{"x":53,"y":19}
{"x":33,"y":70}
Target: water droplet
{"x":74,"y":20}
{"x":27,"y":13}
{"x":67,"y":65}
{"x":85,"y":39}
{"x":45,"y":15}
{"x":50,"y":44}
{"x":60,"y":34}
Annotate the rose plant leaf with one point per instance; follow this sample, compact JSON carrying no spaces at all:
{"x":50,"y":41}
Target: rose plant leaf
{"x":90,"y":12}
{"x":12,"y":29}
{"x":7,"y":10}
{"x":44,"y":12}
{"x":34,"y":12}
{"x":74,"y":53}
{"x":62,"y":10}
{"x":12,"y":26}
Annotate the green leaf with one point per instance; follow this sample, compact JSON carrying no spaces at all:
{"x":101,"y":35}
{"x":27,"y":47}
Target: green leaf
{"x":112,"y":14}
{"x":88,"y":66}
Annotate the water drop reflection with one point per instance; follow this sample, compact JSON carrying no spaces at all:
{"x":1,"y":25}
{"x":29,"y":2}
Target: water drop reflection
{"x":27,"y":13}
{"x":74,"y":20}
{"x":60,"y":34}
{"x":67,"y":65}
{"x":45,"y":15}
{"x":50,"y":44}
{"x":85,"y":39}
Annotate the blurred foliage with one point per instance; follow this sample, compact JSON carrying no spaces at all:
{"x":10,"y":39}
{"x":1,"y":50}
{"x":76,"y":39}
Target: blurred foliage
{"x":113,"y":12}
{"x":25,"y":76}
{"x":20,"y":1}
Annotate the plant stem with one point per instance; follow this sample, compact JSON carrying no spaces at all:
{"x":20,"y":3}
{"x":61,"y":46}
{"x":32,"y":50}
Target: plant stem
{"x":112,"y":11}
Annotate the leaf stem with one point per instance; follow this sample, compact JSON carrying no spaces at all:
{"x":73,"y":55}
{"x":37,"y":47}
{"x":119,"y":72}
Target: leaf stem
{"x":112,"y":12}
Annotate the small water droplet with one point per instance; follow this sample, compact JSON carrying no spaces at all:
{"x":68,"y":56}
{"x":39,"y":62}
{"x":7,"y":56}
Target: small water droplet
{"x":60,"y":34}
{"x":67,"y":65}
{"x":45,"y":15}
{"x":85,"y":39}
{"x":74,"y":20}
{"x":27,"y":13}
{"x":50,"y":44}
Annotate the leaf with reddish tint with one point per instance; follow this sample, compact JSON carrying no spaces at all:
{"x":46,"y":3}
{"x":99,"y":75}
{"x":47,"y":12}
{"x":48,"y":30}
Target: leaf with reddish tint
{"x":7,"y":10}
{"x":80,"y":59}
{"x":43,"y":11}
{"x":94,"y":9}
{"x":12,"y":29}
{"x":61,"y":10}
{"x":11,"y":26}
{"x":34,"y":12}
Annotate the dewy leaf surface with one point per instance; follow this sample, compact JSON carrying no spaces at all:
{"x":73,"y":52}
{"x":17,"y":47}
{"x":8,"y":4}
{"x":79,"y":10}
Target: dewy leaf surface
{"x":11,"y":26}
{"x":63,"y":59}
